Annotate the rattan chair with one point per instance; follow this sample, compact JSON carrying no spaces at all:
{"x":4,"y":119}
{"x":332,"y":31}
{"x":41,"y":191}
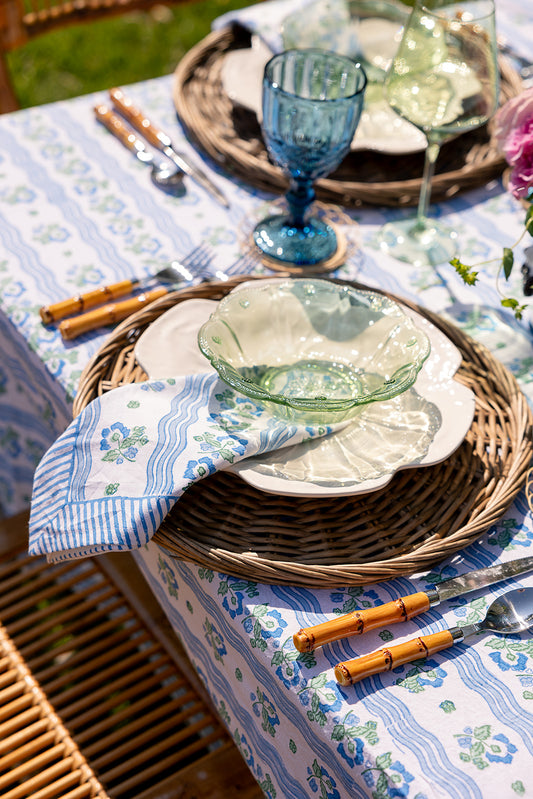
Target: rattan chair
{"x":97,"y":697}
{"x":23,"y":20}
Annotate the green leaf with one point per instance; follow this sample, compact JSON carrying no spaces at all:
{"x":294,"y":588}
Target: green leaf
{"x":482,"y":733}
{"x":465,"y":272}
{"x":381,"y":786}
{"x":529,"y":220}
{"x":507,"y":262}
{"x":510,"y":302}
{"x":477,"y":750}
{"x":497,"y":643}
{"x":338,"y":732}
{"x":384,"y":761}
{"x":318,"y":681}
{"x":447,"y":705}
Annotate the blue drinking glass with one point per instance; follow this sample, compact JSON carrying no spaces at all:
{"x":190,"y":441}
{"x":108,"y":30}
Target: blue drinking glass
{"x":312,"y":102}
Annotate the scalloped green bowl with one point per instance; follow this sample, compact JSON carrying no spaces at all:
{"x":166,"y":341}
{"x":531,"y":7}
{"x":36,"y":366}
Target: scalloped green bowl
{"x":316,"y":350}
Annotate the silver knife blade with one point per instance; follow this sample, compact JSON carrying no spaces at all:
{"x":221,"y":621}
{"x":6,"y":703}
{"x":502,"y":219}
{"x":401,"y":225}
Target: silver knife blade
{"x":480,"y":578}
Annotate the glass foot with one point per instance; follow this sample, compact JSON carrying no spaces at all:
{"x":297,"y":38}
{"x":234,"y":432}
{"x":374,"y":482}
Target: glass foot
{"x":429,"y":246}
{"x":279,"y":239}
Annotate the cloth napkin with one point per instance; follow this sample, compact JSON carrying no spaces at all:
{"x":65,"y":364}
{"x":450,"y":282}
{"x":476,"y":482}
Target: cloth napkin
{"x":283,"y":24}
{"x":114,"y":474}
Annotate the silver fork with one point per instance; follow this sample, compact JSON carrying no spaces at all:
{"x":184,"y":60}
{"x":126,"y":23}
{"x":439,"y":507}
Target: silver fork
{"x":194,"y":265}
{"x":193,"y":269}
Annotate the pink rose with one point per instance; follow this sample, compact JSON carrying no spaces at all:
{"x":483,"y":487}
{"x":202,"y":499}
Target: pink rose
{"x":513,"y":131}
{"x":518,"y":142}
{"x":517,"y":112}
{"x":521,"y":177}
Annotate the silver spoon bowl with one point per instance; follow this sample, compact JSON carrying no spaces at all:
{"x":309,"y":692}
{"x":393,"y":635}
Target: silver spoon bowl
{"x":164,"y":175}
{"x":510,"y":614}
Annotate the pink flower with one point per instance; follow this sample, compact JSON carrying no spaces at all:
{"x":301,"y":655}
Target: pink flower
{"x":521,"y":177}
{"x":513,"y":132}
{"x":516,"y":113}
{"x":518,"y":142}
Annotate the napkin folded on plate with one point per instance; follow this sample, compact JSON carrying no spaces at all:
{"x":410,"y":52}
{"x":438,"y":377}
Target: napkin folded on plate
{"x":283,"y":24}
{"x":114,"y":474}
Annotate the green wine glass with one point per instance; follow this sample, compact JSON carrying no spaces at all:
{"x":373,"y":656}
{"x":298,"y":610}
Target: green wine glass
{"x":444,"y":79}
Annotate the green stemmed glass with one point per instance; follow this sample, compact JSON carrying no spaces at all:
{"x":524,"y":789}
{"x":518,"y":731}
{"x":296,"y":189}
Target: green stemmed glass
{"x":312,"y":102}
{"x":444,"y":79}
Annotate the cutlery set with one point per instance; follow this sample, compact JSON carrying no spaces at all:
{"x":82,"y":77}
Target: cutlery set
{"x":162,"y":175}
{"x":510,"y":613}
{"x":193,"y":267}
{"x":97,"y":308}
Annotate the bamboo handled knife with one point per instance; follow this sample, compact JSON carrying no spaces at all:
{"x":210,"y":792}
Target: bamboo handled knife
{"x":405,"y":608}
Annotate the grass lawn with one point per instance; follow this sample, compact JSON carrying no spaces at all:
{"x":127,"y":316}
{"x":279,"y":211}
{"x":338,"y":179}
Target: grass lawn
{"x":134,"y":47}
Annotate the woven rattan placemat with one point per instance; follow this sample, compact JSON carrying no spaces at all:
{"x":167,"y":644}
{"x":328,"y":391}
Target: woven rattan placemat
{"x":231,"y":136}
{"x":422,"y":516}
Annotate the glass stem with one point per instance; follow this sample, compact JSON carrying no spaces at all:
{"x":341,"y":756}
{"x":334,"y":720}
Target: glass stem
{"x":299,"y":197}
{"x":432,"y":153}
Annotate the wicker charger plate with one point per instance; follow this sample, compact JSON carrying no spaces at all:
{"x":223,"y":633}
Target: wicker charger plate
{"x":231,"y":136}
{"x":421,"y":517}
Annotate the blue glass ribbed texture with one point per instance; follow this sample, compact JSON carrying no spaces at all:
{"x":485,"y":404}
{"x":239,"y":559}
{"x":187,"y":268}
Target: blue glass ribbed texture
{"x":312,"y":102}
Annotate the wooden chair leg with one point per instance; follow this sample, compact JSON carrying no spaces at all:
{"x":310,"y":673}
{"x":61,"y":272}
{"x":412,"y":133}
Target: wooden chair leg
{"x":8,"y":100}
{"x":95,"y":640}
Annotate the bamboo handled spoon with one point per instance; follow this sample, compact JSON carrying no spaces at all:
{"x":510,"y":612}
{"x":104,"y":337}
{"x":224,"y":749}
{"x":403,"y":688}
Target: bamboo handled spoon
{"x":510,"y":613}
{"x":164,"y":176}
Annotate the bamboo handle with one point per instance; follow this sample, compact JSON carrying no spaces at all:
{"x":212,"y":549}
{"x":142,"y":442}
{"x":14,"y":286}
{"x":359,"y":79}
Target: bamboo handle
{"x":361,"y":621}
{"x":108,"y":314}
{"x":134,"y":115}
{"x":117,"y":127}
{"x":352,"y":671}
{"x":89,"y":299}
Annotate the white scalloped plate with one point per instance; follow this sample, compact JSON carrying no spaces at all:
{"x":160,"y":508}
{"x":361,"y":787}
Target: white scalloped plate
{"x":379,"y":129}
{"x":422,"y":426}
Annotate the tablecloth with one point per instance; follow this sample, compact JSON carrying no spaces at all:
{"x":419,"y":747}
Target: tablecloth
{"x":77,"y":210}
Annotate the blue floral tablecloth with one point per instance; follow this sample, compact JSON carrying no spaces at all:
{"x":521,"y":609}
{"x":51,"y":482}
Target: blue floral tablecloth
{"x":77,"y":210}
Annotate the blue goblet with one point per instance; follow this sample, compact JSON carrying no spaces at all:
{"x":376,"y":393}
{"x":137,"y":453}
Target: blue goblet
{"x":312,"y":101}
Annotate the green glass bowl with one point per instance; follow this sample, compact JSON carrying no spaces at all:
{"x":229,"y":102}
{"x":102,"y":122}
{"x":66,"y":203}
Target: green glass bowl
{"x":316,"y":350}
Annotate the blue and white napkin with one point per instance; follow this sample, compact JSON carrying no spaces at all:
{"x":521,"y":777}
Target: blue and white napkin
{"x":284,"y":24}
{"x":114,"y":474}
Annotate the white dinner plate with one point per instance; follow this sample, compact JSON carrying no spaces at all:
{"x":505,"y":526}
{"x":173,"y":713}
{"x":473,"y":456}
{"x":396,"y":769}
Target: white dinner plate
{"x":380,"y":128}
{"x":421,"y":427}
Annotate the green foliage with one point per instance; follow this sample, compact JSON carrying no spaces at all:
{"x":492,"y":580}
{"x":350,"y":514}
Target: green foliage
{"x":133,"y":47}
{"x":469,"y":276}
{"x":464,"y":271}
